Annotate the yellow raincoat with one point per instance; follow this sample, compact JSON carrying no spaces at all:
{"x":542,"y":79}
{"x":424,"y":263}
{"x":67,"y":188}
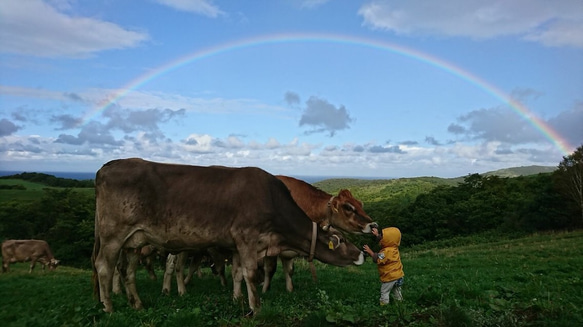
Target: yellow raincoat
{"x":388,"y":259}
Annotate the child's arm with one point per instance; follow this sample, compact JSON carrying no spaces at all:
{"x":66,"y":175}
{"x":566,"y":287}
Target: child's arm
{"x":373,"y":255}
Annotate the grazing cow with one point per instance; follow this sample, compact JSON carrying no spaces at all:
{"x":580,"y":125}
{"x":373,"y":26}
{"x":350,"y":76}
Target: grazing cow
{"x":147,"y":255}
{"x":27,"y":250}
{"x":175,"y":264}
{"x":215,"y":258}
{"x":342,"y":212}
{"x":183,"y":208}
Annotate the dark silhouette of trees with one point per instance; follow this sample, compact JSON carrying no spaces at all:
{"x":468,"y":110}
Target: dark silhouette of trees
{"x":569,"y":178}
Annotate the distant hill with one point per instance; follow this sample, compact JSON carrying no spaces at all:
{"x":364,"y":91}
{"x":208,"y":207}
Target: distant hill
{"x":374,"y":190}
{"x":521,"y":171}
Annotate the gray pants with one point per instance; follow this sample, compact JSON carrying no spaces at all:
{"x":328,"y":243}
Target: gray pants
{"x":394,"y":287}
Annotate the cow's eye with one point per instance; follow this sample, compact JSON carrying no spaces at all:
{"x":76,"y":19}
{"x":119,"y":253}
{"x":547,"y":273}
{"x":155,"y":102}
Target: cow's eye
{"x":348,"y":207}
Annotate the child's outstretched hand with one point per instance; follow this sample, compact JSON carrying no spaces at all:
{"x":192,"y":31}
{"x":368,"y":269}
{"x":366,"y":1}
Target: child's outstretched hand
{"x":367,"y":249}
{"x":375,"y":231}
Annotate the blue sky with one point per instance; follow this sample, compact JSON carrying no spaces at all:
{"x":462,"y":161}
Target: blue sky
{"x":334,"y":88}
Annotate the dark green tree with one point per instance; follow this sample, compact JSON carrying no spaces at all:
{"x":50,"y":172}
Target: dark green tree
{"x":569,"y":178}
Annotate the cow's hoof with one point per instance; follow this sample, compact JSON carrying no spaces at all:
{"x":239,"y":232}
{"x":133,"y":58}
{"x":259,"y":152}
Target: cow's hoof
{"x":138,"y":306}
{"x":250,"y":314}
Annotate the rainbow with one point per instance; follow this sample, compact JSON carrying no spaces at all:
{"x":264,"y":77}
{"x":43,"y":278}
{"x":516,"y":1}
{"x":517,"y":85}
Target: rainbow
{"x":550,"y":134}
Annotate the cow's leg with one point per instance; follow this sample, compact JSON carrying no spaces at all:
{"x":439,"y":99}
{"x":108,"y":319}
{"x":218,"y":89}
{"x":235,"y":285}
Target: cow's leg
{"x":116,"y":282}
{"x":248,"y":263}
{"x":288,"y":271}
{"x":32,"y":263}
{"x":220,"y":268}
{"x":237,"y":274}
{"x":167,"y":283}
{"x":129,"y":277}
{"x":150,"y":268}
{"x":5,"y":265}
{"x":218,"y":259}
{"x":269,"y":268}
{"x":105,"y":262}
{"x":192,"y":267}
{"x":179,"y":268}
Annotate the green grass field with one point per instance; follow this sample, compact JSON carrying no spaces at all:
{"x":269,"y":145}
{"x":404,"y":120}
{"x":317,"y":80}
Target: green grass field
{"x":531,"y":281}
{"x":31,"y":191}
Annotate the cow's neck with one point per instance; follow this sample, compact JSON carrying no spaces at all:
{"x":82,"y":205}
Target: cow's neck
{"x":322,"y":212}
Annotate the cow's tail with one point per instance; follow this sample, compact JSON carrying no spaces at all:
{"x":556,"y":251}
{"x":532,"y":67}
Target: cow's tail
{"x":95,"y":277}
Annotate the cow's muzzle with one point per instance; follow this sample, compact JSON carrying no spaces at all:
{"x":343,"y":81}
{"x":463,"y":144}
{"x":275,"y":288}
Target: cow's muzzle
{"x":360,"y":259}
{"x":368,"y":228}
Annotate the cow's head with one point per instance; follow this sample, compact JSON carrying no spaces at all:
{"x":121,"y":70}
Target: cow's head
{"x":346,"y":214}
{"x":333,"y":248}
{"x":53,"y":263}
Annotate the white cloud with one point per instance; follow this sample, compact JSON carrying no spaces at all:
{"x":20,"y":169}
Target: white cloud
{"x":552,"y":23}
{"x":291,"y":158}
{"x":35,"y":28}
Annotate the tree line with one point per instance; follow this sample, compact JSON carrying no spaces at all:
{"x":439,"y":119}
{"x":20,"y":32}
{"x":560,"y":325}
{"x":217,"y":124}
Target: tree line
{"x":64,"y":217}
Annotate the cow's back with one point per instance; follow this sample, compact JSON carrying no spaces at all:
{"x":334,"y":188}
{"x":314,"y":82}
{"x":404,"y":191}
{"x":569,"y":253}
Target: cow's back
{"x":181,"y":206}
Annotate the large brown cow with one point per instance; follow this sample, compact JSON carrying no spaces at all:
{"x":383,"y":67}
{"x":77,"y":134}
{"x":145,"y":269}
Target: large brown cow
{"x":27,"y":250}
{"x":182,"y":208}
{"x":342,"y":212}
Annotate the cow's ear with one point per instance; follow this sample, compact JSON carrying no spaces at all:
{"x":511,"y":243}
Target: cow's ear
{"x":334,"y":202}
{"x":345,"y":193}
{"x":334,"y":242}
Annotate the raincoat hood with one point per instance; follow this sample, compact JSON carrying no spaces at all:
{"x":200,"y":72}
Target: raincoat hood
{"x":391,"y":237}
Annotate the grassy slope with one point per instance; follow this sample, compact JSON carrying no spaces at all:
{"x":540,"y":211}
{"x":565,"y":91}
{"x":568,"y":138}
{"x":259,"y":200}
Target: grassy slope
{"x":383,"y":189}
{"x":33,"y":191}
{"x":529,"y":281}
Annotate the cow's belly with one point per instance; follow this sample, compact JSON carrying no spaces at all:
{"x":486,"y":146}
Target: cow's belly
{"x":20,"y":259}
{"x":175,"y":240}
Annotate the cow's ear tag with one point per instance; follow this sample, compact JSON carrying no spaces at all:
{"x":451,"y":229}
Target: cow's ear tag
{"x":330,"y":245}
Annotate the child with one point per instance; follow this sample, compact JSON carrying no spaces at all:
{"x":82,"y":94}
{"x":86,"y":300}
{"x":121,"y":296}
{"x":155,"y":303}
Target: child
{"x":388,"y":261}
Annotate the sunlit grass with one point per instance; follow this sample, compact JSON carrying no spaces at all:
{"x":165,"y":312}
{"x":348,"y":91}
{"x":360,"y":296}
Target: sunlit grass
{"x":536,"y":280}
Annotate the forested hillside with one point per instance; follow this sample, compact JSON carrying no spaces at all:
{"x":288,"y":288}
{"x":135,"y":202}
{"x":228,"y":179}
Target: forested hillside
{"x":431,"y":208}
